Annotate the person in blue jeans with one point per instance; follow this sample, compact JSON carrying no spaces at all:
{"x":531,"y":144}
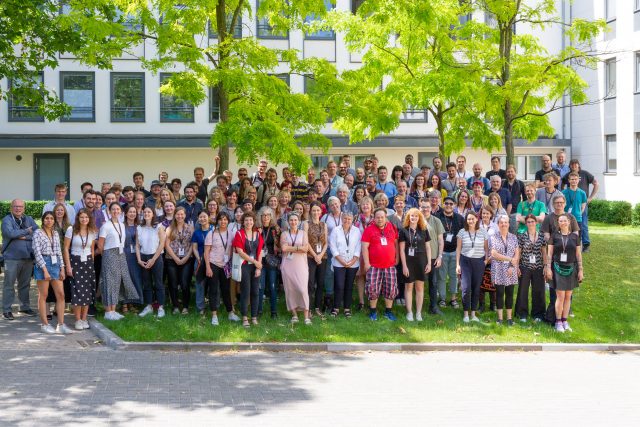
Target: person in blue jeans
{"x":200,"y":232}
{"x":271,"y":235}
{"x":452,"y":223}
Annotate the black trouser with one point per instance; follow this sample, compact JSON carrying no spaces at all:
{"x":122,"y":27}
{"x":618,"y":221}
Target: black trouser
{"x":535,"y":278}
{"x":433,"y":287}
{"x":472,"y":272}
{"x":152,"y":279}
{"x":249,"y":290}
{"x":179,"y":277}
{"x":343,"y":286}
{"x":401,"y":281}
{"x":504,"y":297}
{"x":317,"y":275}
{"x":218,"y":284}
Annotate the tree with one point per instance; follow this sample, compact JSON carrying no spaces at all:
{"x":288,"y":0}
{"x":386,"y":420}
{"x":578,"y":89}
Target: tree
{"x":411,"y":61}
{"x":529,"y":82}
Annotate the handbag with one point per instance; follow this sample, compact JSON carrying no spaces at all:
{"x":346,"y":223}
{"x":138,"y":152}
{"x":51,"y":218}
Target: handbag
{"x":273,"y":260}
{"x":487,"y":285}
{"x":236,"y":267}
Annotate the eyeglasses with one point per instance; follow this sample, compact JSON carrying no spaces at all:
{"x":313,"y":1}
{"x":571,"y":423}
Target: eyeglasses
{"x":448,"y":203}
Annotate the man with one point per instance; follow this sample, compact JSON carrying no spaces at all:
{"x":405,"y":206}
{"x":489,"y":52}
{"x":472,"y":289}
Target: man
{"x":514,"y":186}
{"x":576,"y":198}
{"x":450,"y":183}
{"x":403,"y":190}
{"x":323,"y":193}
{"x":374,"y":163}
{"x":192,"y":205}
{"x":368,"y":167}
{"x":60,"y":197}
{"x":79,"y":204}
{"x":116,"y":188}
{"x":17,"y":235}
{"x":128,"y":193}
{"x":437,"y":168}
{"x":202,"y":182}
{"x":462,"y":186}
{"x":397,"y":218}
{"x":530,"y":206}
{"x":346,"y":159}
{"x":176,"y":186}
{"x":413,"y":170}
{"x":461,"y":164}
{"x":561,"y":163}
{"x":586,"y":179}
{"x":385,"y":186}
{"x":452,"y":223}
{"x":436,"y":233}
{"x":311,"y":175}
{"x":258,"y":177}
{"x":242,"y":173}
{"x":334,"y":178}
{"x":163,"y":177}
{"x":346,"y":204}
{"x":505,"y":195}
{"x":268,"y":188}
{"x":105,"y":187}
{"x":156,"y":187}
{"x":546,"y":168}
{"x":381,"y":255}
{"x":342,"y":170}
{"x":549,"y":191}
{"x":425,"y":170}
{"x":406,"y":174}
{"x":371,"y":187}
{"x":349,"y":180}
{"x":477,"y":176}
{"x":495,"y":169}
{"x":229,"y":176}
{"x":359,"y":177}
{"x":299,"y":190}
{"x":315,"y":197}
{"x":223,"y":183}
{"x":138,"y":183}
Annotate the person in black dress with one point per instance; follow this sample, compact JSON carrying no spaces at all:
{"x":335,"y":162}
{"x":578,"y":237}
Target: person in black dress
{"x":415,"y":257}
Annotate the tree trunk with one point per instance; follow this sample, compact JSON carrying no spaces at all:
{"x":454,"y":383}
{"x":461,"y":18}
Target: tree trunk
{"x":223,"y":54}
{"x":508,"y":134}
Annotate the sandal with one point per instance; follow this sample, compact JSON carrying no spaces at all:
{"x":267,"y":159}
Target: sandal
{"x":307,"y":321}
{"x":318,"y":313}
{"x":347,"y":313}
{"x":334,"y":312}
{"x":454,"y":303}
{"x":254,"y":321}
{"x":245,"y":323}
{"x":295,"y":319}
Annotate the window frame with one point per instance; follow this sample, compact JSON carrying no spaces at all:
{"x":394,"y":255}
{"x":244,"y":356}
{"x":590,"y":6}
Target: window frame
{"x":608,"y":3}
{"x":63,"y":74}
{"x":637,"y":71}
{"x":11,"y":106}
{"x":162,"y":77}
{"x":263,"y":23}
{"x":415,"y":111}
{"x":112,"y":78}
{"x":608,"y":139}
{"x":211,"y":110}
{"x":637,"y":155}
{"x":237,"y":32}
{"x":610,"y":78}
{"x":331,"y":35}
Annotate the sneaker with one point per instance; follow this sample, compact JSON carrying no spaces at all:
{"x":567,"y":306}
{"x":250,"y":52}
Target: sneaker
{"x":185,"y":311}
{"x":409,"y":317}
{"x":307,"y":321}
{"x":28,"y":312}
{"x":176,"y":311}
{"x":86,"y":325}
{"x":454,"y":304}
{"x":559,"y":327}
{"x":79,"y":325}
{"x":373,"y":315}
{"x":442,"y":303}
{"x":474,"y":318}
{"x":117,"y":316}
{"x":465,"y":319}
{"x":233,"y":317}
{"x":418,"y":317}
{"x":201,"y":312}
{"x":566,"y":326}
{"x":47,"y":329}
{"x":436,"y":311}
{"x":161,"y":312}
{"x":537,"y":320}
{"x":499,"y":322}
{"x":585,"y":248}
{"x":523,"y":320}
{"x":148,"y":309}
{"x":571,"y":313}
{"x":8,"y":315}
{"x":214,"y":320}
{"x":108,"y":316}
{"x":510,"y":322}
{"x":63,"y":329}
{"x":389,"y":316}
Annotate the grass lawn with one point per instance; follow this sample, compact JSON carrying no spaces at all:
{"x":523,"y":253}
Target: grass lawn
{"x":605,"y":307}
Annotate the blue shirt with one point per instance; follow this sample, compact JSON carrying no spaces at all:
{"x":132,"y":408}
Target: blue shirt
{"x":575,"y":199}
{"x":13,"y":247}
{"x":505,"y":196}
{"x":198,"y":237}
{"x":564,"y":169}
{"x":485,"y":182}
{"x":389,"y":188}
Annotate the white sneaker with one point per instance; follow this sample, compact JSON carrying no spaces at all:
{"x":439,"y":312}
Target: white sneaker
{"x":214,"y":320}
{"x":160,"y":312}
{"x":148,"y":309}
{"x":185,"y":311}
{"x":474,"y":318}
{"x":465,"y":319}
{"x":79,"y":325}
{"x":47,"y":329}
{"x":176,"y":311}
{"x":86,"y":325}
{"x":409,"y":317}
{"x":559,"y":327}
{"x":566,"y":326}
{"x":63,"y":329}
{"x":117,"y":316}
{"x":418,"y":317}
{"x":234,"y":317}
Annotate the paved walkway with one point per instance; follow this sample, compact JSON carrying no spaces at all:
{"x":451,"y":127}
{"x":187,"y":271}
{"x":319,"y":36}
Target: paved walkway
{"x":68,"y":380}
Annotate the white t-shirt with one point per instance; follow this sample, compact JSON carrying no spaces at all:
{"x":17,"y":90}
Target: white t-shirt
{"x":114,"y":235}
{"x":77,"y":243}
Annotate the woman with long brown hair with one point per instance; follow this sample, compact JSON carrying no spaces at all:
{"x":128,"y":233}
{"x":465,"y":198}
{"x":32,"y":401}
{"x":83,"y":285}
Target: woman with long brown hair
{"x":178,"y":251}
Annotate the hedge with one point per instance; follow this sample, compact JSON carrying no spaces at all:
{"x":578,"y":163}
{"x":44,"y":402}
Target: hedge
{"x":613,"y":212}
{"x":635,"y":217}
{"x":33,"y":208}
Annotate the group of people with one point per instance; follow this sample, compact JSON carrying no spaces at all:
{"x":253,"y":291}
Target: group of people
{"x":350,"y":233}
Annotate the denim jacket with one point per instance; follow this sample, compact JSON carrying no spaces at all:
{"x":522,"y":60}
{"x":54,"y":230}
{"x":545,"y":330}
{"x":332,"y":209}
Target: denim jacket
{"x":14,"y":248}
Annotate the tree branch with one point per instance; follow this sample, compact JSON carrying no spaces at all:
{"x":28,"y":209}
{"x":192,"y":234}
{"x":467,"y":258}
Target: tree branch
{"x":406,"y":66}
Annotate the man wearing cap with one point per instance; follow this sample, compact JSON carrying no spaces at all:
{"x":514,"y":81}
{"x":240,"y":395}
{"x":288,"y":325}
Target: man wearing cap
{"x":156,"y":187}
{"x":452,"y":223}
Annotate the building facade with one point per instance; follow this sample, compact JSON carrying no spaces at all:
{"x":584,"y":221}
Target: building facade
{"x":121,"y":124}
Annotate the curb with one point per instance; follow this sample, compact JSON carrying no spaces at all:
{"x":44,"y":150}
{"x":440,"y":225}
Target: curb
{"x":116,"y":343}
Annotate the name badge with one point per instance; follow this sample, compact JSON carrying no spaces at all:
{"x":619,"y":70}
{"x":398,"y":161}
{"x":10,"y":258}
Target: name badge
{"x":348,"y":252}
{"x":83,"y":257}
{"x":132,"y":248}
{"x":383,"y":241}
{"x":563,"y":257}
{"x":412,"y":252}
{"x":290,"y":255}
{"x":449,"y":237}
{"x":532,"y":259}
{"x":54,"y":260}
{"x":180,"y":252}
{"x":318,"y":248}
{"x":570,"y":210}
{"x":120,"y":250}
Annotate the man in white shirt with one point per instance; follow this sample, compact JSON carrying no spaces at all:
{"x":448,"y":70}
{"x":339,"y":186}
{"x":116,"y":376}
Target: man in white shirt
{"x":60,"y":198}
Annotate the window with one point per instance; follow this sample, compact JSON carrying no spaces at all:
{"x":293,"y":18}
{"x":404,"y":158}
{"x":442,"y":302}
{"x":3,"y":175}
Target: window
{"x":78,"y":92}
{"x":237,"y":30}
{"x":355,"y":5}
{"x":637,"y":6}
{"x":463,"y":19}
{"x":127,"y":97}
{"x":284,"y":77}
{"x":612,"y":154}
{"x":414,"y":115}
{"x":23,"y":102}
{"x":526,"y":166}
{"x":358,"y":160}
{"x":310,"y":88}
{"x":214,"y":105}
{"x":265,"y":30}
{"x":173,"y":109}
{"x":610,"y":78}
{"x":320,"y":34}
{"x":638,"y":71}
{"x":610,"y":10}
{"x":426,"y":158}
{"x":320,"y":161}
{"x":637,"y":162}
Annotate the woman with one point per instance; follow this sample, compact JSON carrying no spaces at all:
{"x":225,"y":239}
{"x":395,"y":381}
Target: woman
{"x":165,"y":195}
{"x":491,"y":228}
{"x":298,"y":208}
{"x":382,"y":201}
{"x":202,"y":229}
{"x":115,"y":271}
{"x":283,"y":208}
{"x":317,"y":257}
{"x":60,"y":226}
{"x":365,"y":218}
{"x":345,"y":243}
{"x":532,"y":259}
{"x":169,"y":210}
{"x":478,"y":200}
{"x":79,"y":246}
{"x":295,"y":270}
{"x":505,"y":254}
{"x":99,"y":205}
{"x":270,"y":233}
{"x":244,"y":185}
{"x":419,"y":188}
{"x":231,"y":199}
{"x":564,"y":266}
{"x":130,"y":225}
{"x":212,"y":210}
{"x":49,"y":270}
{"x":496,"y":204}
{"x":217,"y":254}
{"x":463,"y":204}
{"x":332,"y":219}
{"x":272,"y":203}
{"x":415,"y":256}
{"x":248,"y":244}
{"x":216,"y":194}
{"x":471,"y":252}
{"x":549,"y":191}
{"x":178,"y":252}
{"x":358,"y":193}
{"x":268,"y":188}
{"x":149,"y":249}
{"x":396,"y":174}
{"x":234,"y":227}
{"x":435,"y":183}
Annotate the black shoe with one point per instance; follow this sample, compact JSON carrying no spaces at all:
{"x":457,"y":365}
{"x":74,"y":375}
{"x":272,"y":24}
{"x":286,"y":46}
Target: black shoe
{"x":28,"y":312}
{"x":8,"y":315}
{"x":585,"y":248}
{"x":480,"y":309}
{"x":274,"y":315}
{"x":360,"y":306}
{"x":435,"y":311}
{"x":49,"y":317}
{"x":493,"y":307}
{"x":510,"y":322}
{"x":92,"y":311}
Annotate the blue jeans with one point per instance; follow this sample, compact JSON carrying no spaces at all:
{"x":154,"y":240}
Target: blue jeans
{"x":584,"y":227}
{"x":269,"y":276}
{"x":328,"y":278}
{"x":448,"y":268}
{"x":136,"y":276}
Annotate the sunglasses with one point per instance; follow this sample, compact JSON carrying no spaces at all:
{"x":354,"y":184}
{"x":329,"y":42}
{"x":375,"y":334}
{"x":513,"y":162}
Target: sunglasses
{"x":448,"y":204}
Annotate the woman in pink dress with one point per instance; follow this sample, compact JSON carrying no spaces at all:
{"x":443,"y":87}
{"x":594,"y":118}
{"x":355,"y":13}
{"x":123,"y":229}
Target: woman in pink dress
{"x":294,"y":269}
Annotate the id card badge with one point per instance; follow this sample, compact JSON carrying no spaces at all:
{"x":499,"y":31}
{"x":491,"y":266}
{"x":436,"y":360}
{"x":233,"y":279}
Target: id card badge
{"x":132,"y":248}
{"x":290,"y":255}
{"x":180,"y":252}
{"x":83,"y":257}
{"x":412,"y":252}
{"x":449,"y":237}
{"x":226,"y":258}
{"x":532,"y":259}
{"x":383,"y":241}
{"x":120,"y":250}
{"x":563,"y":257}
{"x":318,"y":248}
{"x":54,"y":260}
{"x":570,"y":210}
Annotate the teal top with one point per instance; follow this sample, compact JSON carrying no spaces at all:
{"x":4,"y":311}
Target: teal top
{"x":525,"y":208}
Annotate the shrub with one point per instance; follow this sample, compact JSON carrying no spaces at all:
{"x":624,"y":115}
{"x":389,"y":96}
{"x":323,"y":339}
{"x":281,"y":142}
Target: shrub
{"x":635,"y":217}
{"x":620,"y":213}
{"x":33,"y":208}
{"x":599,"y":210}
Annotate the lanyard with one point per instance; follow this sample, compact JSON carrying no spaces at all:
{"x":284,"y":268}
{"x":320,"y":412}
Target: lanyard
{"x":50,"y":239}
{"x":547,"y":197}
{"x":265,"y":233}
{"x":347,"y":235}
{"x":573,"y":197}
{"x":504,"y":243}
{"x":118,"y":230}
{"x":336,"y":223}
{"x":413,"y":238}
{"x":293,"y":240}
{"x":84,"y":243}
{"x":448,"y":223}
{"x":251,"y":242}
{"x":382,"y":236}
{"x":529,"y":206}
{"x":473,"y":241}
{"x":564,"y":243}
{"x":224,"y":244}
{"x":476,"y":206}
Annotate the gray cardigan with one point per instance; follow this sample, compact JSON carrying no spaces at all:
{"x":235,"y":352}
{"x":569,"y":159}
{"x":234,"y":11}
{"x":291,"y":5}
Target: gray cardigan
{"x":14,"y":248}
